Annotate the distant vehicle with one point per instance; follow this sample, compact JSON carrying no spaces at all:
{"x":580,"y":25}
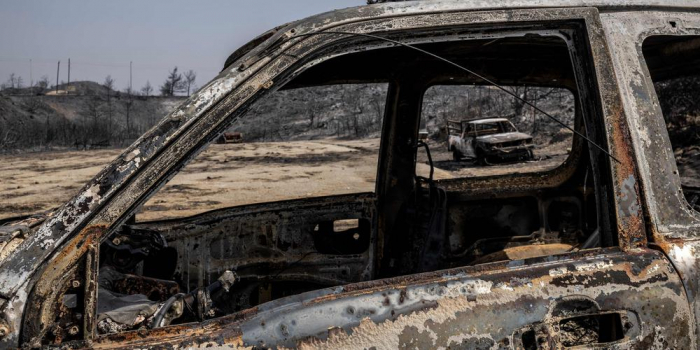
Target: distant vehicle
{"x":230,"y":137}
{"x":423,"y":135}
{"x":487,"y":140}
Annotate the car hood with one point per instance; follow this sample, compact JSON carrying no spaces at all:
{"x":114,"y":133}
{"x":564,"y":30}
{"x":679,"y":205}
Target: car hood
{"x":505,"y":137}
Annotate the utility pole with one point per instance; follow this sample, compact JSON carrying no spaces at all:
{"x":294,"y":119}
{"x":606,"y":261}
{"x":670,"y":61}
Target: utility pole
{"x":31,"y":77}
{"x":68,"y":86}
{"x":57,"y":70}
{"x":130,"y":86}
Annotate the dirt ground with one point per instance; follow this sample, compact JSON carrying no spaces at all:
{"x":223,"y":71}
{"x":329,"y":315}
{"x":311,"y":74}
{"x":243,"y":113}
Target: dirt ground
{"x":233,"y":174}
{"x":222,"y":176}
{"x":35,"y":182}
{"x":236,"y":174}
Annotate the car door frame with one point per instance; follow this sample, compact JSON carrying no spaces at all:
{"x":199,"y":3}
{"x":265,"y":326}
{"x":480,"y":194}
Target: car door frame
{"x":181,"y":136}
{"x":674,"y":227}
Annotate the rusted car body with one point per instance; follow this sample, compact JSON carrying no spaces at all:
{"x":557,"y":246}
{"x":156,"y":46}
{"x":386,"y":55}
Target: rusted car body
{"x":406,"y":286}
{"x":488,"y":139}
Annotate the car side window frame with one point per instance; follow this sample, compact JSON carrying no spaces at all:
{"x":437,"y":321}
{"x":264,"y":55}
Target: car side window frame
{"x":668,"y":211}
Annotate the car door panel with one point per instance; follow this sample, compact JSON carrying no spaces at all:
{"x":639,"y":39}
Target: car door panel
{"x":505,"y":305}
{"x":674,"y":226}
{"x":486,"y":309}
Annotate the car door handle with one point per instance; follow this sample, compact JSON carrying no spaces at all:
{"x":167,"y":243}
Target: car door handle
{"x":579,"y":331}
{"x":592,"y":329}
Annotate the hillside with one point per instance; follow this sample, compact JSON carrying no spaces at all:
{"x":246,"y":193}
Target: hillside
{"x":354,"y":111}
{"x":337,"y":111}
{"x":89,"y":116}
{"x":79,"y":88}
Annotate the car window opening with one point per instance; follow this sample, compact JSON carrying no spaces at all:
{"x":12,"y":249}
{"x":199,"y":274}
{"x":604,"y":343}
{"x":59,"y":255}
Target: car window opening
{"x":491,"y":180}
{"x":673,"y":65}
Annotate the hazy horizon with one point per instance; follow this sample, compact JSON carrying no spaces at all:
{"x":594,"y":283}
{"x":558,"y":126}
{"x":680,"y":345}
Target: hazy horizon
{"x":101,"y":38}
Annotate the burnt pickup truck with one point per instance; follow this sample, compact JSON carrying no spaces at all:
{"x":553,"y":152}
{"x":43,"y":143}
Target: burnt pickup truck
{"x":487,"y":140}
{"x":602,"y":251}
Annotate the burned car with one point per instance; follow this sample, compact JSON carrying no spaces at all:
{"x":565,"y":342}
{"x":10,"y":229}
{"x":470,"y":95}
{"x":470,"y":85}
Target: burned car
{"x":487,"y":140}
{"x":599,"y":251}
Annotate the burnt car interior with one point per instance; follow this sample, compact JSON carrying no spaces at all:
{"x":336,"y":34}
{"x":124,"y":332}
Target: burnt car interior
{"x":232,"y":259}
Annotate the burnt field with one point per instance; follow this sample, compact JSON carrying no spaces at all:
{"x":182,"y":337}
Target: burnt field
{"x":227,"y":175}
{"x":222,"y":176}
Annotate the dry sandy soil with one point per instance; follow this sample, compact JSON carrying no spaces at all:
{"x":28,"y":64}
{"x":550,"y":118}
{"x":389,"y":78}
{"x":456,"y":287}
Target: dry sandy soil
{"x":222,"y":176}
{"x":225,"y":175}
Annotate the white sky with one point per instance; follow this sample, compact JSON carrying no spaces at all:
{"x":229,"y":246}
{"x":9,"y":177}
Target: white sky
{"x":101,"y":37}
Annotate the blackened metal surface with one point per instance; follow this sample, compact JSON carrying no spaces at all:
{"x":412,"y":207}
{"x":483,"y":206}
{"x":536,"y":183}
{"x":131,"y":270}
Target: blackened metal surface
{"x":674,"y":226}
{"x":467,"y":307}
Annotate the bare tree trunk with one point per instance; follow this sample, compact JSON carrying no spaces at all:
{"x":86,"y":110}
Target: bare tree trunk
{"x":48,"y":132}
